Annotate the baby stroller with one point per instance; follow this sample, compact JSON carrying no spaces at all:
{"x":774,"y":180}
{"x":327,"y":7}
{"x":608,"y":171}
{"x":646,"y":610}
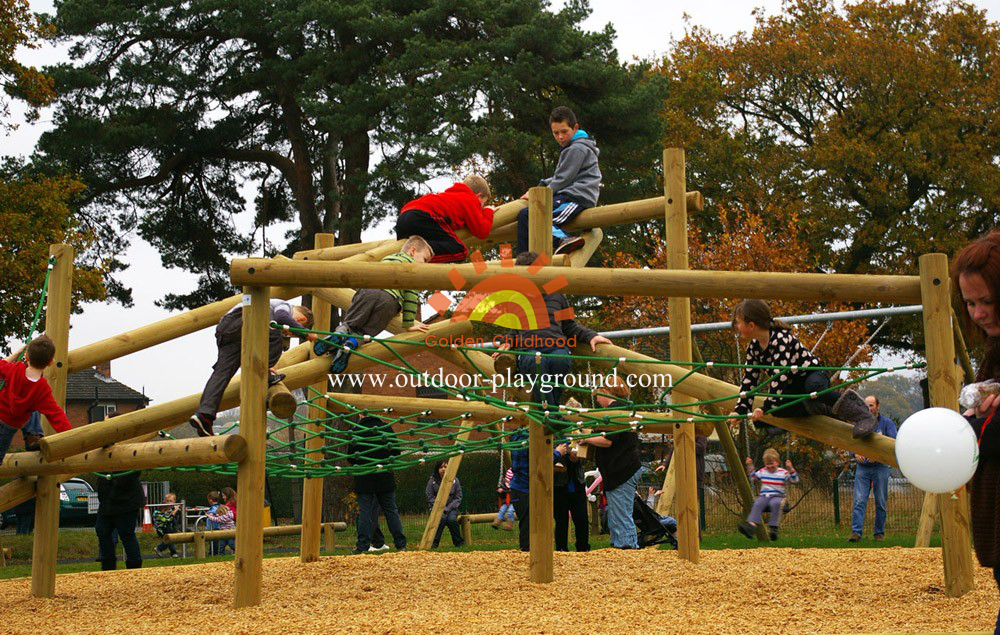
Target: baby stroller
{"x":653,"y":529}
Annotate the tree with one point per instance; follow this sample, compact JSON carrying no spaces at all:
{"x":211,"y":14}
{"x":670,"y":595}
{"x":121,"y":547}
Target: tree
{"x":330,"y":114}
{"x":34,"y":210}
{"x":876,"y":121}
{"x":20,"y":28}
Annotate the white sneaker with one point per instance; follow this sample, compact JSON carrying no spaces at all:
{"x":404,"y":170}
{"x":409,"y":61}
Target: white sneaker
{"x":383,"y":548}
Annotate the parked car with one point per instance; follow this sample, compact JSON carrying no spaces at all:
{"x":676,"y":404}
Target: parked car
{"x":74,"y":495}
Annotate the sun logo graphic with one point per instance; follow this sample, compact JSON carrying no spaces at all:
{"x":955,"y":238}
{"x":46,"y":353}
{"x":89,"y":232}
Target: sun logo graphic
{"x":508,"y":300}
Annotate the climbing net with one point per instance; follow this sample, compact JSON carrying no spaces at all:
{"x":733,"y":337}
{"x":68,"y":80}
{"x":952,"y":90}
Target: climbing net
{"x":401,"y":441}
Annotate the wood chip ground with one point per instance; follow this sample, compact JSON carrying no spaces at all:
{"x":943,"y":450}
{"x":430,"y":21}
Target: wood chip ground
{"x":760,"y":591}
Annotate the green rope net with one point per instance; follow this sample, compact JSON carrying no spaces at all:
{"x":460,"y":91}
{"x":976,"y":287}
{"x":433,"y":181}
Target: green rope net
{"x":403,"y":441}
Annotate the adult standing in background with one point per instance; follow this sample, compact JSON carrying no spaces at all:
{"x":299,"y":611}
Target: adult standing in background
{"x":872,"y":476}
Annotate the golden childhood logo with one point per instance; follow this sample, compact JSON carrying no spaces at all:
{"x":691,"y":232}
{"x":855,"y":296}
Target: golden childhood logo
{"x":508,"y":300}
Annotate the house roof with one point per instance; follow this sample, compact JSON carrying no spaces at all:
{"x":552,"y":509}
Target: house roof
{"x":88,"y":385}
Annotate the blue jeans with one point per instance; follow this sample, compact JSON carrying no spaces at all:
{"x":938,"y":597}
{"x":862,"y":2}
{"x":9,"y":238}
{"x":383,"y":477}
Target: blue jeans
{"x":867,"y":478}
{"x":620,"y":521}
{"x":555,"y":369}
{"x":368,"y":504}
{"x":6,"y":436}
{"x":506,"y":512}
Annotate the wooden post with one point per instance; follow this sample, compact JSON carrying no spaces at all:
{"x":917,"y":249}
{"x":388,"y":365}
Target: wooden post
{"x":665,"y":505}
{"x":280,"y":401}
{"x":329,"y":539}
{"x":46,"y":539}
{"x":540,"y":220}
{"x":253,"y":428}
{"x":541,"y":529}
{"x":434,"y":519}
{"x":312,"y":488}
{"x":199,"y":545}
{"x":467,"y":529}
{"x":925,"y":525}
{"x":541,"y":523}
{"x":680,"y":350}
{"x":943,"y":382}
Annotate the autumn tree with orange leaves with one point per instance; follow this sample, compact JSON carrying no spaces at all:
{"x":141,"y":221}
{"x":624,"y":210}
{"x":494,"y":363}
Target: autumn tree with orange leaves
{"x":35,"y":210}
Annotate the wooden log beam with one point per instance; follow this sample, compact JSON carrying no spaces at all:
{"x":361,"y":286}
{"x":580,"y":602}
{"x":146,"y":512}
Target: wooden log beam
{"x":280,"y":401}
{"x":505,"y":226}
{"x":230,"y":534}
{"x":217,"y":450}
{"x":588,"y":281}
{"x":172,"y":413}
{"x":504,"y":215}
{"x":159,"y":332}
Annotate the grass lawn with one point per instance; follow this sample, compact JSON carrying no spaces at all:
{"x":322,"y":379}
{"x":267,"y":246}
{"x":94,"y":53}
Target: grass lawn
{"x":80,"y":544}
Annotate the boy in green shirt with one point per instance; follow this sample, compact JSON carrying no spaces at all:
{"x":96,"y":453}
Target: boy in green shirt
{"x":372,"y":309}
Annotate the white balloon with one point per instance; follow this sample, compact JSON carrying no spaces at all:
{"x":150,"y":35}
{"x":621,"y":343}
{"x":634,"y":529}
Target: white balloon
{"x":936,"y":450}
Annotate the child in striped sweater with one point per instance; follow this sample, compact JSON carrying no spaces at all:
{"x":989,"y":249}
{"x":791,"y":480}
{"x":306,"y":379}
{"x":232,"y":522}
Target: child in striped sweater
{"x":773,"y":480}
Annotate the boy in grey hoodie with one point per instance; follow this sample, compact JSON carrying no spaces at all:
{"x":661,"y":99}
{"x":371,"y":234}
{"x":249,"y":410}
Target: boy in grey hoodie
{"x":575,"y":184}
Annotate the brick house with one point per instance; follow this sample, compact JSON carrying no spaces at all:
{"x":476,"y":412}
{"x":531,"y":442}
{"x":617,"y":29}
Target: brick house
{"x":92,"y":394}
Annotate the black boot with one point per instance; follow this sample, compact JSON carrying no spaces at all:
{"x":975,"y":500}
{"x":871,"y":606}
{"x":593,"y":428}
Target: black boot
{"x":773,"y":531}
{"x":109,"y":564}
{"x":133,"y":564}
{"x":853,"y":409}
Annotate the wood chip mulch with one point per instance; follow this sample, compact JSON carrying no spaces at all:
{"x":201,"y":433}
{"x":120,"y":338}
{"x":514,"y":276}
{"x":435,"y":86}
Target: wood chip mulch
{"x":773,"y":591}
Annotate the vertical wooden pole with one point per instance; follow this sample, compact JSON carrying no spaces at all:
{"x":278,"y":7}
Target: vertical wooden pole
{"x":674,"y":189}
{"x":199,"y":545}
{"x":925,"y":525}
{"x":329,"y":538}
{"x":665,"y":505}
{"x":541,"y":524}
{"x":253,"y":427}
{"x":467,"y":530}
{"x":943,"y":382}
{"x":46,"y":539}
{"x":312,"y":488}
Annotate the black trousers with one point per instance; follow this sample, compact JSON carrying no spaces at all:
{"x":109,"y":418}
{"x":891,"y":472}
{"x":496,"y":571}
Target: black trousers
{"x":229,"y":340}
{"x":564,"y":505}
{"x":520,"y":502}
{"x":446,"y":245}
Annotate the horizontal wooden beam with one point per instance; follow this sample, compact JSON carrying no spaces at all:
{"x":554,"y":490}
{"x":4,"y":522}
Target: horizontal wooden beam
{"x":217,"y":450}
{"x":230,"y":534}
{"x":159,"y":332}
{"x":586,"y":281}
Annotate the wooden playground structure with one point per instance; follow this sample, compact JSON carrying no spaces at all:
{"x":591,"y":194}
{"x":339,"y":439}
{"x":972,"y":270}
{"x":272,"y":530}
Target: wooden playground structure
{"x":330,"y":273}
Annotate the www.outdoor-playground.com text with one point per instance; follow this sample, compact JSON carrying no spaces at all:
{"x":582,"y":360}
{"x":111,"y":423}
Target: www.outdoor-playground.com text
{"x":543,"y":382}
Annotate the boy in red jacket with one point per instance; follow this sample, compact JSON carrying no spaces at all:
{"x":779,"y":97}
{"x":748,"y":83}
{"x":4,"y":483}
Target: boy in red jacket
{"x":436,"y":218}
{"x":24,"y":390}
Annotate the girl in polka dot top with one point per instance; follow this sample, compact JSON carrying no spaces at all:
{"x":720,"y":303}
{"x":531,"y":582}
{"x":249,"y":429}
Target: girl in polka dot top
{"x":771,"y":343}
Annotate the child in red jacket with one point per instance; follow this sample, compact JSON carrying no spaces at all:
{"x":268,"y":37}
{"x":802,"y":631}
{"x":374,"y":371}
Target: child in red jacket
{"x":23,"y":390}
{"x":436,"y":218}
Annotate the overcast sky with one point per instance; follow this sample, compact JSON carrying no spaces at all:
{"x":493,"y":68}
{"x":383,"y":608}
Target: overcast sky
{"x":179,"y":368}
